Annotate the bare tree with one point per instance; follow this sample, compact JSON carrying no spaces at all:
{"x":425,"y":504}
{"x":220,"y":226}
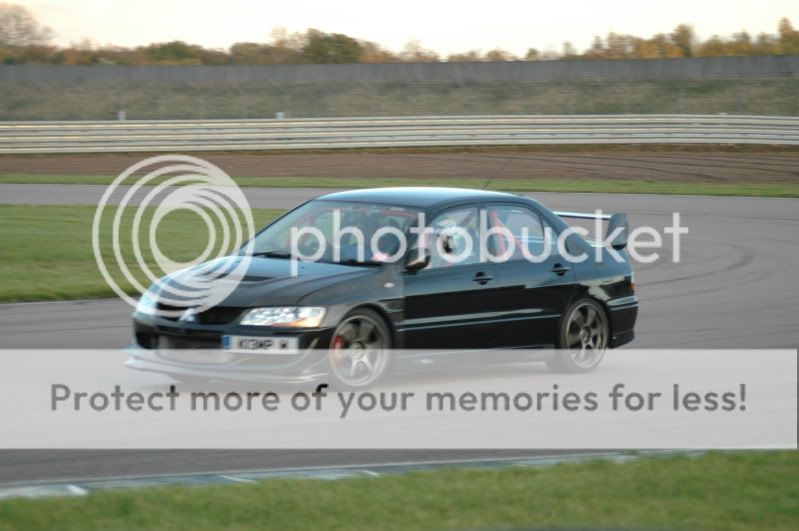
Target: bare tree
{"x":498,"y":54}
{"x":472,"y":56}
{"x":533,"y":54}
{"x":684,"y":38}
{"x":18,"y":27}
{"x":414,"y":52}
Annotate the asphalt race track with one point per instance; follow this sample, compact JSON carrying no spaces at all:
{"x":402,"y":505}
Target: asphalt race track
{"x":734,"y":288}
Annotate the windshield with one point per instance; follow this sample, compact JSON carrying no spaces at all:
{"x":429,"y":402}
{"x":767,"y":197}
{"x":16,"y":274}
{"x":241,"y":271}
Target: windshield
{"x":338,"y":231}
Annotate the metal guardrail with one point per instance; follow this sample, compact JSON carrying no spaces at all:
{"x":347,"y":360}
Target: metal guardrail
{"x":310,"y":133}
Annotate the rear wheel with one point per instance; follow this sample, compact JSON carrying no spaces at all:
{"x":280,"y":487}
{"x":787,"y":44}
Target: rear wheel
{"x":582,"y":338}
{"x":359,"y":351}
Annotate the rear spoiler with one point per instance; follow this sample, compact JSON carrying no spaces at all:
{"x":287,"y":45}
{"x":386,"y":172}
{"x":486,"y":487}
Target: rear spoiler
{"x":617,"y":225}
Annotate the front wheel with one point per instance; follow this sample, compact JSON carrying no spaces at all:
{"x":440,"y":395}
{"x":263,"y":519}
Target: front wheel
{"x":582,"y":338}
{"x":359,"y":351}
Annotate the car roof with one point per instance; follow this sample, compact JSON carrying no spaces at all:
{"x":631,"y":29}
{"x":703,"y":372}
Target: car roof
{"x":418,"y":196}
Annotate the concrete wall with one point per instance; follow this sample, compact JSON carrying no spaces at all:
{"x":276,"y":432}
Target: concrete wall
{"x":639,"y":69}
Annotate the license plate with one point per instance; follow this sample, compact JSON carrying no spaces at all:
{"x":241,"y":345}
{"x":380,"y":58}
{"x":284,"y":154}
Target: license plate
{"x":260,"y":345}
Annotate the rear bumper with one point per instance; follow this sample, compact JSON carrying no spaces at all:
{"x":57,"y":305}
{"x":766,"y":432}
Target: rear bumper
{"x":622,"y":339}
{"x":622,"y":323}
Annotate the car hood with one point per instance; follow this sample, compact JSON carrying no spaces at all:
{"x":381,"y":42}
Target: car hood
{"x":270,"y":282}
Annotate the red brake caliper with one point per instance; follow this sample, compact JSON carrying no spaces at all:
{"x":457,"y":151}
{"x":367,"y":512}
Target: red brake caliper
{"x":338,"y":342}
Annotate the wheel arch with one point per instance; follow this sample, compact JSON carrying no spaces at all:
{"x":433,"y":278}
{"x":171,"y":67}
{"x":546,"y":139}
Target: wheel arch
{"x":608,"y":315}
{"x":380,"y":311}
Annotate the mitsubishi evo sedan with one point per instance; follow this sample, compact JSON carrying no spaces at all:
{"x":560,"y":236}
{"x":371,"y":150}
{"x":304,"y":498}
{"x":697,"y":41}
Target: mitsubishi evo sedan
{"x":352,"y":285}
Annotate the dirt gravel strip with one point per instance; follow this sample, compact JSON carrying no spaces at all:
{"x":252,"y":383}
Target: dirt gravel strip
{"x":714,"y":164}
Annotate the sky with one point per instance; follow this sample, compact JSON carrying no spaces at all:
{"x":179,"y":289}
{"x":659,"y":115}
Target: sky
{"x":446,"y":26}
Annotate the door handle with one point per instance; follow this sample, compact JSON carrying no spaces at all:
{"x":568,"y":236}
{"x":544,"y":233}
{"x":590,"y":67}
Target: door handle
{"x":560,"y":269}
{"x":482,"y":278}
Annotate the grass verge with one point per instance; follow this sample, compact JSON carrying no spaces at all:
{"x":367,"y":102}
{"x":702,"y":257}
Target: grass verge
{"x":46,"y":251}
{"x":730,"y":491}
{"x":747,"y":189}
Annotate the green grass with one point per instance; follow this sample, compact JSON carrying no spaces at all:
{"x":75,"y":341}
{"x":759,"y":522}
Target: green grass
{"x":729,"y":491}
{"x":754,"y":189}
{"x":46,"y":252}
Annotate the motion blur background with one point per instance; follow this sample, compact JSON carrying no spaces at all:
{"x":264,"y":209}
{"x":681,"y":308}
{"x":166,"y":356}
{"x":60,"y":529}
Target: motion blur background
{"x":315,"y":73}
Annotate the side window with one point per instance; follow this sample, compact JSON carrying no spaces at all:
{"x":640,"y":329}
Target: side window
{"x":523,"y":229}
{"x":454,"y":238}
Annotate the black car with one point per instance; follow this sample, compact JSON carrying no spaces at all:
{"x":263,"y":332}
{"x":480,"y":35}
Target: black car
{"x":312,"y":305}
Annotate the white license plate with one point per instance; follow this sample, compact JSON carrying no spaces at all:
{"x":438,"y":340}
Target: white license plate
{"x":260,"y":345}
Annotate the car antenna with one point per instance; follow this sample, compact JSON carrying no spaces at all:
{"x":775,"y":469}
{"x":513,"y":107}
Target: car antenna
{"x":491,"y":179}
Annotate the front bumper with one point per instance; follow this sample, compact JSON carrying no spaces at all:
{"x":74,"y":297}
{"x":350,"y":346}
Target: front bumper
{"x":194,"y":350}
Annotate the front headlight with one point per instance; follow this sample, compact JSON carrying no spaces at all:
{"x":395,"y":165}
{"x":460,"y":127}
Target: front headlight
{"x":147,"y":304}
{"x":291,"y":316}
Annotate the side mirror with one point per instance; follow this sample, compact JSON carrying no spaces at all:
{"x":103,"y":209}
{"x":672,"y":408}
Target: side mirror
{"x":417,"y":259}
{"x":618,"y":223}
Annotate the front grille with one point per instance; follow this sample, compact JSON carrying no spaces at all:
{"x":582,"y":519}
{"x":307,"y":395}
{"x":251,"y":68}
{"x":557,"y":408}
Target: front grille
{"x":213,"y":316}
{"x":170,"y":311}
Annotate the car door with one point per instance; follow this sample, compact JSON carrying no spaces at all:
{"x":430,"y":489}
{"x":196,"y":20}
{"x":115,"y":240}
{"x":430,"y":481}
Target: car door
{"x":448,"y":305}
{"x":537,"y":283}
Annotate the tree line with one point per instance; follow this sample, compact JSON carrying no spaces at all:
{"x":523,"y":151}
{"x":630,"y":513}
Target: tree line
{"x":23,"y":40}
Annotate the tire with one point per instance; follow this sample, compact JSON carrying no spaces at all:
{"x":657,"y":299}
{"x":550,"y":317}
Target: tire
{"x":359,"y":355}
{"x":583,"y":335}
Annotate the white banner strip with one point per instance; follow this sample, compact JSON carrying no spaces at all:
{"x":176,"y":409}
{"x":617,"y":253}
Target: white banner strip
{"x":655,"y":399}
